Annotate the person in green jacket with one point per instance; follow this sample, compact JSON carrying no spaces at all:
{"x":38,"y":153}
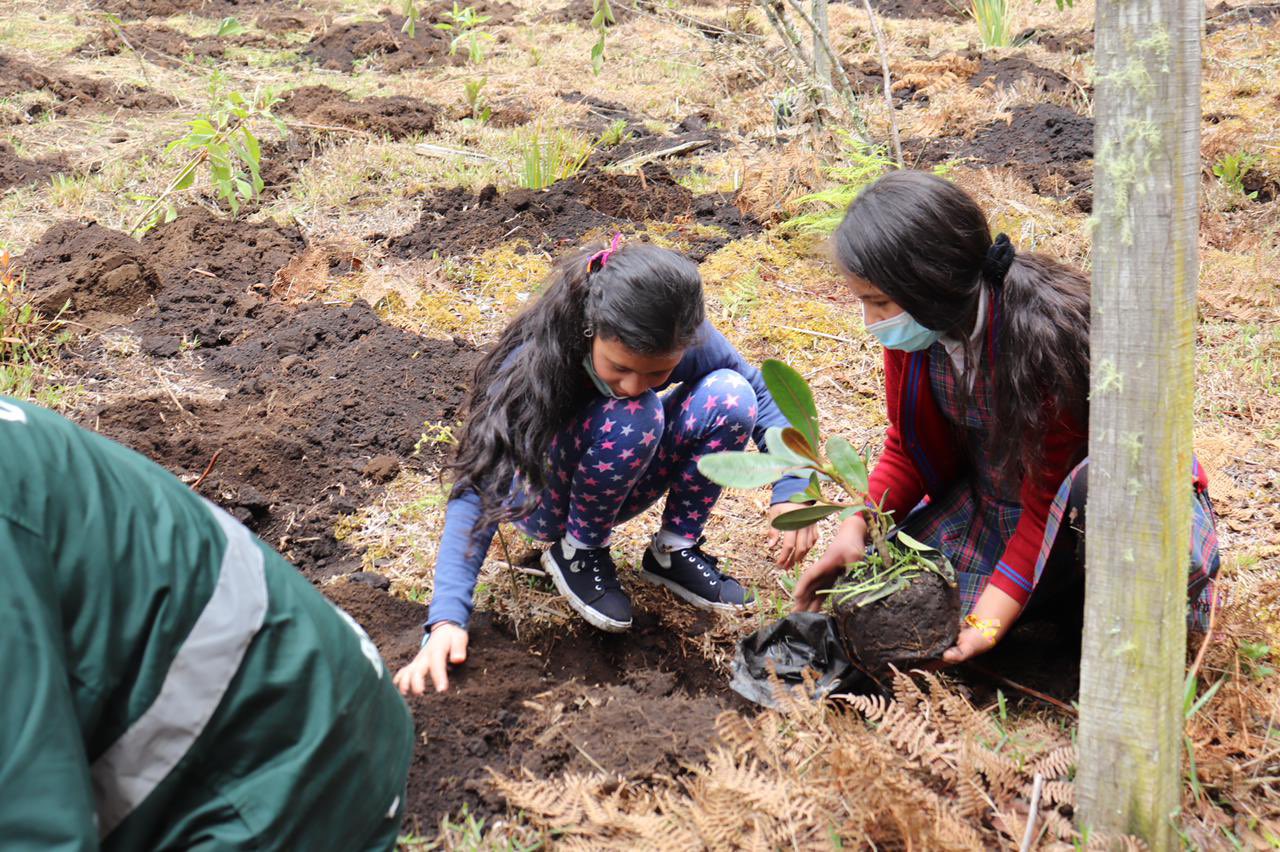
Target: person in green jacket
{"x":169,"y":681}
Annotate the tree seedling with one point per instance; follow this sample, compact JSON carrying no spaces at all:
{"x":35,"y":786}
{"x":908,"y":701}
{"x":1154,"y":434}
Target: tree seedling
{"x":464,"y":23}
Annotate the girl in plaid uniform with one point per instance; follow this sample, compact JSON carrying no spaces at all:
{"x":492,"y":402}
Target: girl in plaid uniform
{"x":986,"y":375}
{"x":567,"y":436}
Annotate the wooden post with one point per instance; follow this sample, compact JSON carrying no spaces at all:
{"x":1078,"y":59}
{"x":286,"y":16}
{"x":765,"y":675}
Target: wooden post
{"x":1146,"y":190}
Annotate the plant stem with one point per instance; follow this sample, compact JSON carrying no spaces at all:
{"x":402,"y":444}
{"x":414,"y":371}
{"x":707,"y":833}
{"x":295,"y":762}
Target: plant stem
{"x":888,"y":89}
{"x":196,"y":159}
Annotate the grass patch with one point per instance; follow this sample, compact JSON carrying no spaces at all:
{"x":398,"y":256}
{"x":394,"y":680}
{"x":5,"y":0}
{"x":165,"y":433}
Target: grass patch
{"x":29,"y":343}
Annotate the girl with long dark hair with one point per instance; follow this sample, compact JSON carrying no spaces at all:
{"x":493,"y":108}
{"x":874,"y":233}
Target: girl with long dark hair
{"x":567,"y":436}
{"x":986,"y":353}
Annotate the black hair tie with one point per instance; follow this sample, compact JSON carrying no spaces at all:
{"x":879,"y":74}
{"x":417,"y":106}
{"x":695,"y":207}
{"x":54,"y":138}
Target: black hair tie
{"x":998,"y":260}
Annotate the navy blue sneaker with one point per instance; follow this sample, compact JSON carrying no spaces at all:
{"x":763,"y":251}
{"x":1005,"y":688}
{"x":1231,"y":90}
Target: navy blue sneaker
{"x":693,"y":576}
{"x":589,"y":581}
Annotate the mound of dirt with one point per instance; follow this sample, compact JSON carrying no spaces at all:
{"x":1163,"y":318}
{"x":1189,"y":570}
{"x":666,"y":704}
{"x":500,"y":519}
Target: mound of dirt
{"x":691,"y":134}
{"x":1060,"y":41}
{"x":621,"y":699}
{"x":15,"y":171}
{"x":104,"y":275}
{"x":909,"y":627}
{"x":1016,"y":70}
{"x":935,"y":9}
{"x":162,"y":45}
{"x":397,"y":116}
{"x":339,"y":47}
{"x":77,"y":94}
{"x":135,"y":9}
{"x":281,"y":160}
{"x":1253,"y":14}
{"x":313,"y":393}
{"x":456,"y":222}
{"x":581,"y":12}
{"x":282,"y":23}
{"x":1048,"y":145}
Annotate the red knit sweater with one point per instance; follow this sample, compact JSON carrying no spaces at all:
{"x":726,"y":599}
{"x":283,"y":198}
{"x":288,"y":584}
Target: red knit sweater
{"x":923,"y":455}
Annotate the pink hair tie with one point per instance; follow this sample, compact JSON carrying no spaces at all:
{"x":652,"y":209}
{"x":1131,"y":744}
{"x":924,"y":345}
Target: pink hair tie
{"x":604,"y":254}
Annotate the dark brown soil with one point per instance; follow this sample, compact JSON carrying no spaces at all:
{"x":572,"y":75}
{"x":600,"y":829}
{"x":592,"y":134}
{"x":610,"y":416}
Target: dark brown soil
{"x":162,"y":45}
{"x":313,"y":393}
{"x":282,"y":23}
{"x":1016,"y":70}
{"x":77,"y":94}
{"x":1064,"y":41}
{"x":396,"y":117}
{"x":906,"y":628}
{"x":339,"y":47}
{"x":15,"y":171}
{"x":104,"y":275}
{"x":936,"y":9}
{"x":1048,"y":145}
{"x":1252,"y":14}
{"x":690,"y":132}
{"x":135,"y":9}
{"x":455,"y":221}
{"x":581,"y":12}
{"x":651,"y":706}
{"x":282,"y":159}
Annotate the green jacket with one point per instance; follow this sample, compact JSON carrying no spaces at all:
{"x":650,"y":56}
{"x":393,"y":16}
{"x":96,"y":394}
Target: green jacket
{"x":169,"y":680}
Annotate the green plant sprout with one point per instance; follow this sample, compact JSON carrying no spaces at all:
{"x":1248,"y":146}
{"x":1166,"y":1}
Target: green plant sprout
{"x":409,"y":10}
{"x":995,"y":22}
{"x":222,"y":138}
{"x":601,"y":19}
{"x":463,"y":23}
{"x":615,"y":134}
{"x":892,"y":562}
{"x":476,"y":105}
{"x":1231,"y":169}
{"x":230,"y":27}
{"x":547,"y":159}
{"x":860,"y":165}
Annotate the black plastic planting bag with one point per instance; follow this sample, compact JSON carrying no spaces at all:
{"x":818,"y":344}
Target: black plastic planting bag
{"x":802,"y":640}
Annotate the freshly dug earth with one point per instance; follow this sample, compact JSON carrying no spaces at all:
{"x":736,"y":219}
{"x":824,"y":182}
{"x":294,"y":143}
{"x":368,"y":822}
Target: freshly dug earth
{"x":103,"y":275}
{"x":1012,"y":70}
{"x":544,"y":706}
{"x":1253,"y":14}
{"x":339,"y":47}
{"x":313,"y":393}
{"x":1060,"y":41}
{"x":1048,"y":145}
{"x":397,"y":116}
{"x":77,"y":94}
{"x":936,"y":9}
{"x":456,"y":222}
{"x":133,"y":9}
{"x":15,"y":171}
{"x":162,"y":45}
{"x":915,"y":624}
{"x":581,"y":12}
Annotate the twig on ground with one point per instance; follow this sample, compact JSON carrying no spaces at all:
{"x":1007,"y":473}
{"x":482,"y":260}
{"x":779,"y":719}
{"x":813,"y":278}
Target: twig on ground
{"x":1032,"y":814}
{"x":212,"y":461}
{"x":816,"y":333}
{"x":1208,"y":635}
{"x":445,"y":151}
{"x":1025,"y":690}
{"x":888,"y":88}
{"x":515,"y":587}
{"x":673,"y":151}
{"x":164,"y":384}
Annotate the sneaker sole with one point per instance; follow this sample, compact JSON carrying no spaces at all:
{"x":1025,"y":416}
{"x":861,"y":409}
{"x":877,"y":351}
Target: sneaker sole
{"x":689,"y":597}
{"x":595,"y":619}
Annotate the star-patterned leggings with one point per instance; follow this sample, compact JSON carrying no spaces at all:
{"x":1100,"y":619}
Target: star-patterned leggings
{"x":617,"y":457}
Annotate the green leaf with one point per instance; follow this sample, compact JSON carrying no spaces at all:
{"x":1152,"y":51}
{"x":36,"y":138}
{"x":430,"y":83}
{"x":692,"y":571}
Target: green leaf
{"x":230,"y":27}
{"x":910,"y":542}
{"x":793,"y":397}
{"x":742,"y":470}
{"x":848,"y":463}
{"x":186,"y":180}
{"x":801,"y":518}
{"x":773,"y":439}
{"x":851,"y":511}
{"x":814,"y":491}
{"x":202,"y":126}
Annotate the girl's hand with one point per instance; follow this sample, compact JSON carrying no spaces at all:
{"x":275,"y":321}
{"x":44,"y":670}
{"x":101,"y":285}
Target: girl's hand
{"x":796,"y":544}
{"x":850,"y":545}
{"x":447,"y":644}
{"x":970,"y":643}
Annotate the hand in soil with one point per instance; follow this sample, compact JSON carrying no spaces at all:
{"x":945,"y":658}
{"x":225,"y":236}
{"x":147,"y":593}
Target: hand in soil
{"x":447,"y":645}
{"x":849,"y":546}
{"x":969,"y":644}
{"x":796,"y":544}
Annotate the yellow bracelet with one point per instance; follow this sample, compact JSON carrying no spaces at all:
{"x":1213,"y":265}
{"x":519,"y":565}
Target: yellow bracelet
{"x":987,"y":627}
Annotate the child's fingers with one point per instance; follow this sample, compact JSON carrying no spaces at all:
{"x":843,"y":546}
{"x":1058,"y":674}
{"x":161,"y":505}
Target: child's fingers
{"x":458,"y":653}
{"x":786,"y":556}
{"x":437,"y":664}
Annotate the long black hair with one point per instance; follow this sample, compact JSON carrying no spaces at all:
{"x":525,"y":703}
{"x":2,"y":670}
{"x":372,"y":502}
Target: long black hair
{"x":528,"y":386}
{"x":925,"y":243}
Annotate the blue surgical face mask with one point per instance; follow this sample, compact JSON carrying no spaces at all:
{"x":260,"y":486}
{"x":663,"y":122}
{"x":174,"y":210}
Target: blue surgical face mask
{"x":902,"y":332}
{"x":601,"y":385}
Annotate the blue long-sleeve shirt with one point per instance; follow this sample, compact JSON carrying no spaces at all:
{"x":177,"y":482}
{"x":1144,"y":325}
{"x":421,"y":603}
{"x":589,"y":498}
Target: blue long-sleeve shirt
{"x":463,"y":545}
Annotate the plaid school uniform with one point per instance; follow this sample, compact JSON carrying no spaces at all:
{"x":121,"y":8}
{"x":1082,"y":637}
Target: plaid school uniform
{"x":974,"y":519}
